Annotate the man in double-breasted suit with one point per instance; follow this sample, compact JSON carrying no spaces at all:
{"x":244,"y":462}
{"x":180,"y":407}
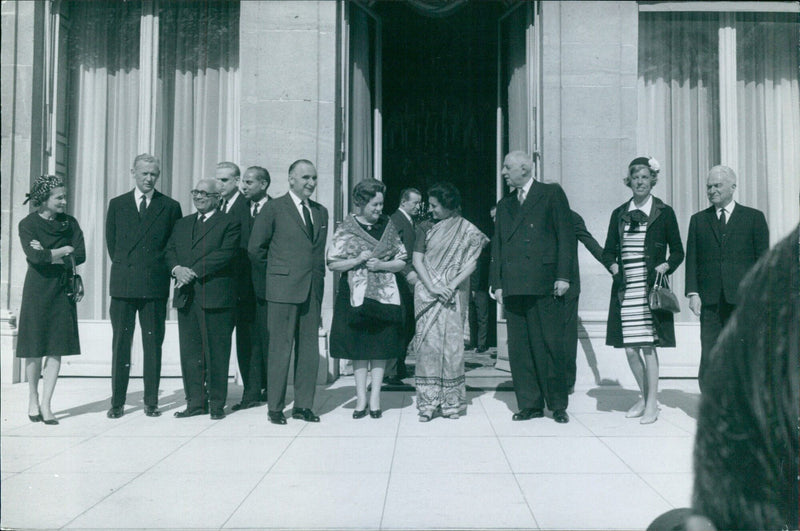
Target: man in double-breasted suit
{"x":530,"y":272}
{"x":200,"y":255}
{"x":138,"y":225}
{"x":725,"y":241}
{"x":290,"y":235}
{"x":403,"y":219}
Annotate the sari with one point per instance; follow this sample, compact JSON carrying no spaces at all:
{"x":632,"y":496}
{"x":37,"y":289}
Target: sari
{"x":450,"y":245}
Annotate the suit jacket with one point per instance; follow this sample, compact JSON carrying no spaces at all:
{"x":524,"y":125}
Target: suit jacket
{"x":210,"y":254}
{"x":295,"y":263}
{"x":407,"y":233}
{"x":258,"y":268}
{"x":716,"y":264}
{"x":240,"y":212}
{"x":534,"y":243}
{"x":662,"y":233}
{"x":585,"y":237}
{"x":136,"y":247}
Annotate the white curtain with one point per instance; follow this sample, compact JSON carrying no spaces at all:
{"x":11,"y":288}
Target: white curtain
{"x":678,"y":109}
{"x":360,"y":139}
{"x":515,"y":79}
{"x":197,"y":118}
{"x":104,"y":88}
{"x":768,"y":103}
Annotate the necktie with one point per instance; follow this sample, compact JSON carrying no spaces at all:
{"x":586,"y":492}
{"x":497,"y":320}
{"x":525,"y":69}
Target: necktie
{"x":199,"y":221}
{"x":142,"y":206}
{"x":223,"y":206}
{"x":521,"y":195}
{"x":307,"y":219}
{"x":722,"y":220}
{"x":255,"y":210}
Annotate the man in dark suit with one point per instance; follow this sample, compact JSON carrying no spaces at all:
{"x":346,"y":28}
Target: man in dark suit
{"x":725,"y":241}
{"x":254,"y":185}
{"x":138,"y":225}
{"x":531,"y":268}
{"x":572,"y":297}
{"x":200,"y":255}
{"x":403,"y":219}
{"x":290,"y":234}
{"x":234,"y":203}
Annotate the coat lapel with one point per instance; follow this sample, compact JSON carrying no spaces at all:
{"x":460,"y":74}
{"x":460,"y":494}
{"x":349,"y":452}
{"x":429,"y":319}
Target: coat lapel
{"x":711,"y":217}
{"x":316,"y":219}
{"x":206,"y":226}
{"x":534,"y":195}
{"x":293,"y":213}
{"x":150,"y":215}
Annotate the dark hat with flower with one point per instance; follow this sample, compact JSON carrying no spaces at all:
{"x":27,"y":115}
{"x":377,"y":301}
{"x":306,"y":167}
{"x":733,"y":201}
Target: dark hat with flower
{"x":42,"y":186}
{"x":648,"y":161}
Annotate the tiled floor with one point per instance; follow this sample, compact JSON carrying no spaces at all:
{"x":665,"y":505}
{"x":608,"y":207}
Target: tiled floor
{"x":483,"y":471}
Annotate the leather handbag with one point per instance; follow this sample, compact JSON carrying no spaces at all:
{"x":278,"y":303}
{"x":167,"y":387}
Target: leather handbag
{"x":74,"y":281}
{"x":661,"y":298}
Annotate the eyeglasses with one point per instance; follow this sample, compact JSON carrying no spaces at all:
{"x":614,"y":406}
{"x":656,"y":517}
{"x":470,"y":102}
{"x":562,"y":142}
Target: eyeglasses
{"x":202,"y":194}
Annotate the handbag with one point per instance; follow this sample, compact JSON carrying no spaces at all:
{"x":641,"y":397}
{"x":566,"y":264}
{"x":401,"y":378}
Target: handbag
{"x":74,"y":282}
{"x":661,"y":298}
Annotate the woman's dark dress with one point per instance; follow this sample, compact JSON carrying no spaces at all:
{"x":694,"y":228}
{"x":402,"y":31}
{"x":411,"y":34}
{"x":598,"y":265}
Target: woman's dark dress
{"x":356,"y":336}
{"x":48,"y":320}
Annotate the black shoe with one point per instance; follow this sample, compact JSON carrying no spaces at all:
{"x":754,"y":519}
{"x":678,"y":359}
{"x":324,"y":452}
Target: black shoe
{"x":217,"y":413}
{"x":376,"y":414}
{"x":115,"y":412}
{"x":186,"y":413}
{"x":560,"y":416}
{"x":481,"y":349}
{"x":152,"y":411}
{"x":528,"y":414}
{"x":244,"y":405}
{"x":359,"y":414}
{"x":304,"y":414}
{"x":276,"y":417}
{"x":50,"y":422}
{"x":38,"y":418}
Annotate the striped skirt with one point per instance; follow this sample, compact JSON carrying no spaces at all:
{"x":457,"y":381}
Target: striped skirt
{"x":637,"y":321}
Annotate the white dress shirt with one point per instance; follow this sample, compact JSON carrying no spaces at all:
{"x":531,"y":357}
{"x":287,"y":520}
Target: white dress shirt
{"x":298,"y":203}
{"x":137,"y":194}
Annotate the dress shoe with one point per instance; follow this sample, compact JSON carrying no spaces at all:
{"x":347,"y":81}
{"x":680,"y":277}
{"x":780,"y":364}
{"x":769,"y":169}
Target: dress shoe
{"x":375,"y":413}
{"x":648,"y":418}
{"x":276,"y":417}
{"x":560,"y":416}
{"x":481,"y":349}
{"x":186,"y":413}
{"x":528,"y":414}
{"x":305,"y":414}
{"x":50,"y":422}
{"x":36,"y":418}
{"x":359,"y":413}
{"x":217,"y":413}
{"x":244,"y":405}
{"x":115,"y":412}
{"x":152,"y":411}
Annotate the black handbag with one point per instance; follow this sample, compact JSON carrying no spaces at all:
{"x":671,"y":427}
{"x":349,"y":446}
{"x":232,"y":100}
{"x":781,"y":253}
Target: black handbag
{"x":74,"y":281}
{"x":661,"y":298}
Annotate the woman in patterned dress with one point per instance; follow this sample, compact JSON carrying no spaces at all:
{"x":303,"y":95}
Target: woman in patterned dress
{"x":48,"y":319}
{"x":444,"y":258}
{"x":639,"y":234}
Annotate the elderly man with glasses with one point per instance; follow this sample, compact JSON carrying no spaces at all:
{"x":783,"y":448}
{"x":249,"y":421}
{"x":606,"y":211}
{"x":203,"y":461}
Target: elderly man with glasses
{"x":200,"y":254}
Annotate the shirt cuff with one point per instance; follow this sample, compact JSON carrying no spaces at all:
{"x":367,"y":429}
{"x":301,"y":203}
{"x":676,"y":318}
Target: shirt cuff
{"x":692,"y":293}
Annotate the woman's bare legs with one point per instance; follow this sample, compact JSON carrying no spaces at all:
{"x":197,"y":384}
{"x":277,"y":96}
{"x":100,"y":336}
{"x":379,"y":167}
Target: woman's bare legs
{"x":651,"y":396}
{"x":378,"y":367}
{"x":33,"y":369}
{"x":52,"y":366}
{"x":360,"y":370}
{"x":638,"y":370}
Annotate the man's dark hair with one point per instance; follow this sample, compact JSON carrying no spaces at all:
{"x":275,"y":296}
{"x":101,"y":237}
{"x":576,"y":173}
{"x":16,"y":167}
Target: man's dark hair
{"x":405,"y":194}
{"x":447,"y":195}
{"x":746,"y":449}
{"x":299,"y":161}
{"x":261,"y":174}
{"x":365,"y":190}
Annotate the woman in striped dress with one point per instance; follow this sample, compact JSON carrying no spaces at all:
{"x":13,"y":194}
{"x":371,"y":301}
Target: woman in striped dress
{"x":639,"y":234}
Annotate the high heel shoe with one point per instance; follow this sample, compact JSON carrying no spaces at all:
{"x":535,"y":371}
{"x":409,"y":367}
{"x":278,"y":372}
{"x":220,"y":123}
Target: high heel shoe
{"x":375,"y":414}
{"x":50,"y":422}
{"x":359,"y":413}
{"x":36,"y":418}
{"x":649,"y":419}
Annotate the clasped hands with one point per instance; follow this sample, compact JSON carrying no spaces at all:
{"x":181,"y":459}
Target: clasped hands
{"x":183,"y":276}
{"x":370,"y":262}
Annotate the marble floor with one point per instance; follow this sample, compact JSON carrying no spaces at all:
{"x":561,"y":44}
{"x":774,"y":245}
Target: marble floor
{"x":482,"y":471}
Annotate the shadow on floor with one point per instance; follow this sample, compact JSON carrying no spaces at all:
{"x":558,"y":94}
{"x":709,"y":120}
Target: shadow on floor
{"x":688,"y":402}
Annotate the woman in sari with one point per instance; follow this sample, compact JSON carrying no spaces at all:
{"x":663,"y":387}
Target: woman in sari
{"x":444,"y":258}
{"x":368,"y":315}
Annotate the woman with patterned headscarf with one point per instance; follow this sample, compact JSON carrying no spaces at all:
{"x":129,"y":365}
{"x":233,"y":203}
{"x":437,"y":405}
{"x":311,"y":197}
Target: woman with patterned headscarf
{"x":48,"y":319}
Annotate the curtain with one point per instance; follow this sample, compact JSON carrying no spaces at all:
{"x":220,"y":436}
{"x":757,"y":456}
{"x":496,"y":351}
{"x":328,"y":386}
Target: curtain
{"x":515,"y":80}
{"x":103,"y":129}
{"x":678,"y":109}
{"x":360,"y":122}
{"x":197,"y":117}
{"x":768,"y":104}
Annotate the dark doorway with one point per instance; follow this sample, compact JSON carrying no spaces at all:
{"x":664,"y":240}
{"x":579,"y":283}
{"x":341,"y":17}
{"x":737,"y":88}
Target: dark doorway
{"x":439,"y":82}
